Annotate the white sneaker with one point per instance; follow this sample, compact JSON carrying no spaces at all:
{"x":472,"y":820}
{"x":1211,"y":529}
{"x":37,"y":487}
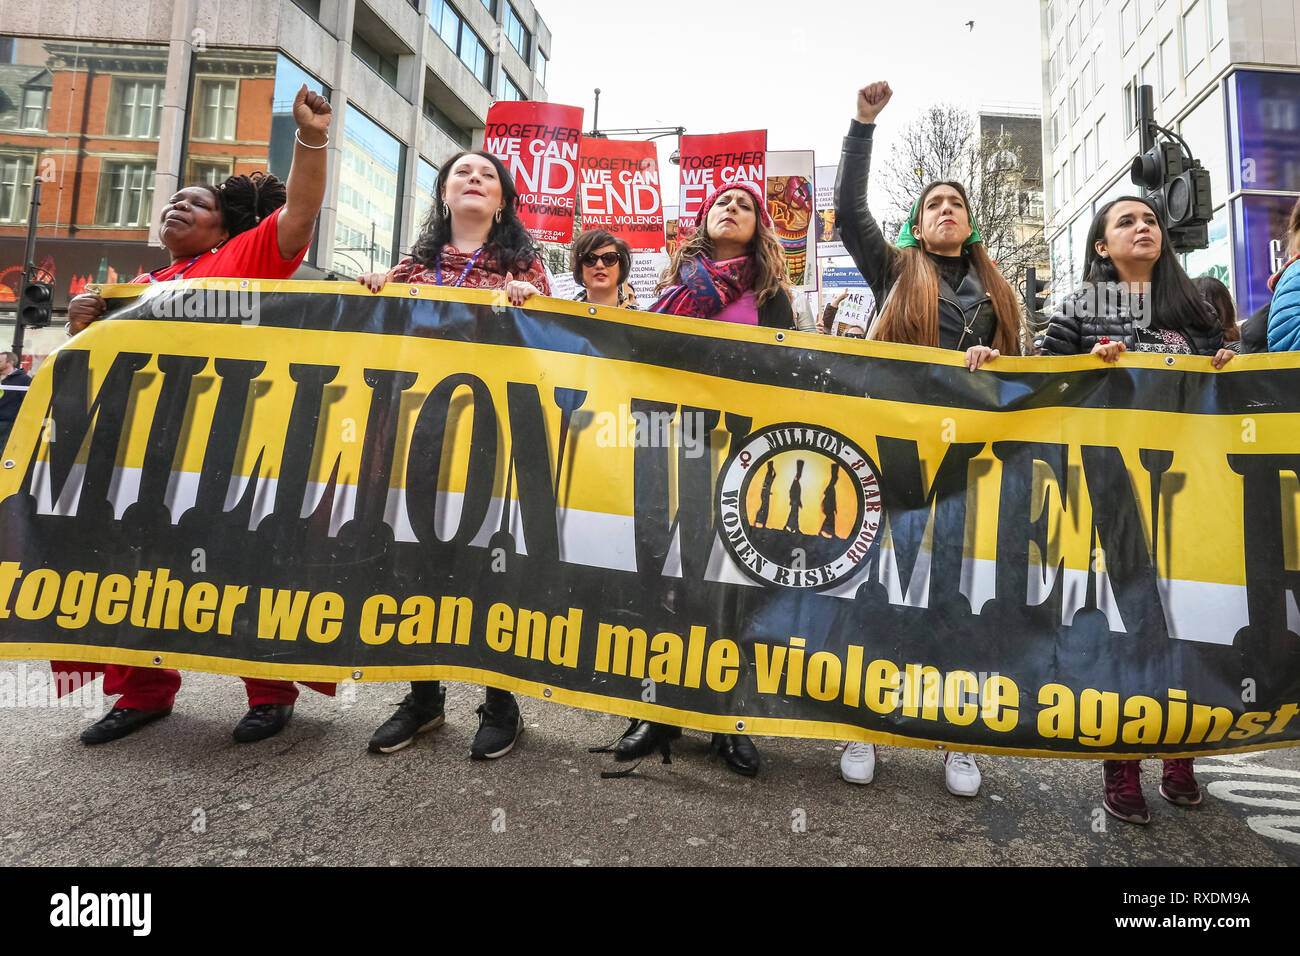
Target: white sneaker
{"x":858,"y":762}
{"x":961,"y":774}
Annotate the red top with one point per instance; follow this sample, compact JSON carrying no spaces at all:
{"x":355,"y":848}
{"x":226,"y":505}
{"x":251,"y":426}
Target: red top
{"x":253,"y":254}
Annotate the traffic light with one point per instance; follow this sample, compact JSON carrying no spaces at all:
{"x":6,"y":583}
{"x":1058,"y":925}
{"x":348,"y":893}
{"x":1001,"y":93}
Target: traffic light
{"x":1154,"y":169}
{"x":1037,"y":292}
{"x":36,"y":304}
{"x":1172,"y":181}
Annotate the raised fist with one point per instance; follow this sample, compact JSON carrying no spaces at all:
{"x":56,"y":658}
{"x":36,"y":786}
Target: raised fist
{"x":311,"y":111}
{"x":872,"y":99}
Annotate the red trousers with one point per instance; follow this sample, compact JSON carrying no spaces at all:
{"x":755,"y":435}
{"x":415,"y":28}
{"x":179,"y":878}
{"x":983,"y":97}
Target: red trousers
{"x":154,"y":688}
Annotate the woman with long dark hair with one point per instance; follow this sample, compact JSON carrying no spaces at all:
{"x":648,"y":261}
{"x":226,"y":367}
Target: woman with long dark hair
{"x":472,"y":239}
{"x":937,"y":287}
{"x":246,"y":227}
{"x":1136,"y":296}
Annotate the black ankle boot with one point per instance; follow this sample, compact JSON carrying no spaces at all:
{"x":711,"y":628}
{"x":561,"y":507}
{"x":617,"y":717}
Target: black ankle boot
{"x":643,"y":738}
{"x":739,"y":752}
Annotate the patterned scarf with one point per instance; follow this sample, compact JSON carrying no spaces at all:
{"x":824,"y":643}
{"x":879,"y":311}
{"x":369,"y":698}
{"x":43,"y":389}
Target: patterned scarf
{"x":707,"y":287}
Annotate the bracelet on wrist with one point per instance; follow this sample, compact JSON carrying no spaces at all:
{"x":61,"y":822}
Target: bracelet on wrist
{"x":297,"y":134}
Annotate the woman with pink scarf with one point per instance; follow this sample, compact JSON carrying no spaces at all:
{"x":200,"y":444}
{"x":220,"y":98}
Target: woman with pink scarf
{"x":732,"y":267}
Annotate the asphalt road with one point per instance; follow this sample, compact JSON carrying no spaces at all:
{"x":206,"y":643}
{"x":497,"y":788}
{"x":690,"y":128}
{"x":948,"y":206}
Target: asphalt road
{"x":182,"y":792}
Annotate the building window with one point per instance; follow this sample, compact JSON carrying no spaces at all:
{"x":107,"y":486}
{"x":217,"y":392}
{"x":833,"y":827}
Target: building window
{"x":215,"y":110}
{"x":1077,"y":176}
{"x":1072,"y":37}
{"x":36,"y":105}
{"x":1146,"y":9}
{"x":462,"y":40}
{"x":1216,"y":13}
{"x":1097,"y":77}
{"x":15,"y":188}
{"x":208,"y":172}
{"x":1130,"y":106}
{"x":1074,"y":103}
{"x":1089,"y":149}
{"x":1147,"y":75}
{"x":1193,"y":37}
{"x":1128,"y":28}
{"x":385,"y":64}
{"x":426,"y":180}
{"x":507,"y":88}
{"x":126,"y":194}
{"x":370,"y":172}
{"x":1058,"y":191}
{"x":516,"y":33}
{"x":487,"y":4}
{"x":310,"y":7}
{"x":1096,"y":145}
{"x":135,"y":108}
{"x":1053,"y":15}
{"x":454,"y":130}
{"x":1168,"y":65}
{"x":542,"y":63}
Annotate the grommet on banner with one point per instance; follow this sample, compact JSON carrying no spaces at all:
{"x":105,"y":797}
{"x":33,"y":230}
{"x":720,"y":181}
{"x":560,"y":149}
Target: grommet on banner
{"x":356,"y":675}
{"x":740,"y":725}
{"x":546,"y":692}
{"x":415,"y":290}
{"x":157,"y":659}
{"x":9,"y":462}
{"x":1169,"y":360}
{"x":243,"y":283}
{"x":780,"y":336}
{"x":591,"y":310}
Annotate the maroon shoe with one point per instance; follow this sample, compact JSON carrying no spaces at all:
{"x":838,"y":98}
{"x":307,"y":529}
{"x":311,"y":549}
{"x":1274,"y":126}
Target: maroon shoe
{"x":1123,"y":782}
{"x":1178,"y":784}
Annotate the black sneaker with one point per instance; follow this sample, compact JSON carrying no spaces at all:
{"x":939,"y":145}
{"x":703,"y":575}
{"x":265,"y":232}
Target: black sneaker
{"x":410,"y":720}
{"x":500,"y":725}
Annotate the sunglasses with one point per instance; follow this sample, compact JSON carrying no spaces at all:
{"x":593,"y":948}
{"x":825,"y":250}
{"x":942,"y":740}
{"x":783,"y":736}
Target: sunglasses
{"x":608,"y":259}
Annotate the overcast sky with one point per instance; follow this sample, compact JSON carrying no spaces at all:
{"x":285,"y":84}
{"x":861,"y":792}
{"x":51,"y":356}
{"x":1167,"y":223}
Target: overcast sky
{"x":792,"y":67}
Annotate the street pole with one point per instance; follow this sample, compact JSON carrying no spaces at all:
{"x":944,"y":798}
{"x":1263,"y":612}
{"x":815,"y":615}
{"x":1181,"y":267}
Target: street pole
{"x":595,"y":115}
{"x":1146,"y":118}
{"x":29,"y":266}
{"x":372,"y":245}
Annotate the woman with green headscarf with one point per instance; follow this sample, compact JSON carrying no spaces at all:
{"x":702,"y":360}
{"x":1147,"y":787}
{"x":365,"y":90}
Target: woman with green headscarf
{"x":937,"y":286}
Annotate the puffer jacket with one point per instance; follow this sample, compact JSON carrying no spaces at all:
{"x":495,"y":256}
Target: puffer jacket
{"x":966,"y":314}
{"x":1284,"y":312}
{"x":1084,"y":317}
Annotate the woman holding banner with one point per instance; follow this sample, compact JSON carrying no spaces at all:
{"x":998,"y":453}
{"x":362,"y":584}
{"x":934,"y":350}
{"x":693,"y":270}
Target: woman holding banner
{"x":732,"y":268}
{"x":601,"y":264}
{"x":247,"y":227}
{"x":472,"y":239}
{"x":938,"y":288}
{"x":1136,"y":296}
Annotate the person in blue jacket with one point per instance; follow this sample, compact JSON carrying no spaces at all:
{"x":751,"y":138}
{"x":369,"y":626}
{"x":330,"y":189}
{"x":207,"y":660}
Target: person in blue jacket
{"x":1284,"y":313}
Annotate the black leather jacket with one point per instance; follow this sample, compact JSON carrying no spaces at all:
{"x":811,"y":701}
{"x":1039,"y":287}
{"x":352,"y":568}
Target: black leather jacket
{"x":966,"y":315}
{"x":1084,"y":316}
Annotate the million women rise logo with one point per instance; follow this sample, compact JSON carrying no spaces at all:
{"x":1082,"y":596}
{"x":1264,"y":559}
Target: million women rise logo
{"x":799,"y":506}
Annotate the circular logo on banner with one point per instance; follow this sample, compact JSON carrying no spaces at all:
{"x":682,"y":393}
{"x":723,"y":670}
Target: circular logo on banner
{"x":799,"y":506}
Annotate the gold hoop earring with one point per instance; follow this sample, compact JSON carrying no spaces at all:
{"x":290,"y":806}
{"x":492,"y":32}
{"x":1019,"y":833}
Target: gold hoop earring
{"x":497,"y":217}
{"x":446,"y":212}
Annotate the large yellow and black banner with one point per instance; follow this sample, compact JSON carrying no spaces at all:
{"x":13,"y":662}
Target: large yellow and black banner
{"x":724,"y":527}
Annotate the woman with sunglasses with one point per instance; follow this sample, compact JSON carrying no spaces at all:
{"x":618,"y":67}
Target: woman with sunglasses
{"x":472,"y":239}
{"x":601,"y":264}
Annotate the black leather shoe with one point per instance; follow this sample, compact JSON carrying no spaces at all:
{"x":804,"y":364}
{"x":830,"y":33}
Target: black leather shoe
{"x":262,"y":721}
{"x":643,"y":738}
{"x":739,"y":752}
{"x":118,"y":723}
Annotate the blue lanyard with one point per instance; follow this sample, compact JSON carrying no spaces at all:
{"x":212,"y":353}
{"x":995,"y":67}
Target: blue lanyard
{"x":179,"y":275}
{"x":437,"y":275}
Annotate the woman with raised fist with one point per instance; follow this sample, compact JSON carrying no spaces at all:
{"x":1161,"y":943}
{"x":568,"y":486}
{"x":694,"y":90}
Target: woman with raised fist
{"x":937,"y":287}
{"x":247,"y":227}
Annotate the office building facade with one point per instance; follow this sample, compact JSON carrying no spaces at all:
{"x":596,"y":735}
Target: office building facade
{"x":1225,"y":76}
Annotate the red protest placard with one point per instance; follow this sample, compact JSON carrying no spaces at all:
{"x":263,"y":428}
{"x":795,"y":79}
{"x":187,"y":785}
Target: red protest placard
{"x":540,"y":144}
{"x":710,"y":161}
{"x":620,"y":192}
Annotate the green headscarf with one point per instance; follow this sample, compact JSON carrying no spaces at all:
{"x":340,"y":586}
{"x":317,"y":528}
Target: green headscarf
{"x":907,"y":238}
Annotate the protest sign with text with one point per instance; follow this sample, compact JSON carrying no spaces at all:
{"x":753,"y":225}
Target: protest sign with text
{"x":710,"y":161}
{"x":620,"y":192}
{"x":540,"y":144}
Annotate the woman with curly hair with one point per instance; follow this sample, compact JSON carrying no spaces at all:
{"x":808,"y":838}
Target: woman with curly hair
{"x":472,"y":239}
{"x":248,"y":227}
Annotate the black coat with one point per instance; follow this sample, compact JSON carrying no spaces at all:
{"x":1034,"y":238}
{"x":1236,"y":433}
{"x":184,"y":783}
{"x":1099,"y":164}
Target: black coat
{"x":1076,"y":325}
{"x":966,"y":314}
